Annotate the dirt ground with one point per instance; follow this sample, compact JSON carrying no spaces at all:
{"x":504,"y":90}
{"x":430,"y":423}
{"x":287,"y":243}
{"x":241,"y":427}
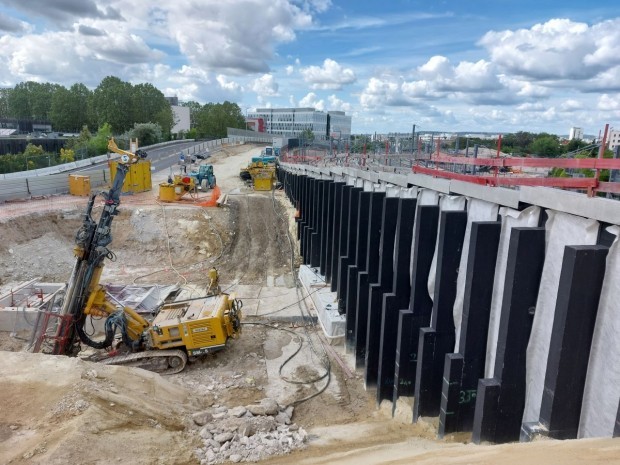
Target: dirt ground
{"x":57,"y":410}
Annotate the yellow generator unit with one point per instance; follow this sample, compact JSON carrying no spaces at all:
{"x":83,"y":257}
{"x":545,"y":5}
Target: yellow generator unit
{"x":79,"y":185}
{"x":175,"y":190}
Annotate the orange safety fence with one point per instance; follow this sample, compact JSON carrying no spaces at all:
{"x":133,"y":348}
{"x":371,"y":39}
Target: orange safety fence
{"x":212,"y":202}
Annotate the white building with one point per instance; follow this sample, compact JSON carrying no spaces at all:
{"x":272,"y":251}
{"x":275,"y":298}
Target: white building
{"x":291,"y":122}
{"x":575,"y":133}
{"x":181,"y":119}
{"x":613,"y":138}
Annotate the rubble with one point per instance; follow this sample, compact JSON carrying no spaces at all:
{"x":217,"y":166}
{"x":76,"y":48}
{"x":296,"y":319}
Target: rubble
{"x":248,"y":433}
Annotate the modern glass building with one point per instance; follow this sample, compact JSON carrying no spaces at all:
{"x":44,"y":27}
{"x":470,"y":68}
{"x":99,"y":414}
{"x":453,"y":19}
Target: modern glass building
{"x":291,"y":122}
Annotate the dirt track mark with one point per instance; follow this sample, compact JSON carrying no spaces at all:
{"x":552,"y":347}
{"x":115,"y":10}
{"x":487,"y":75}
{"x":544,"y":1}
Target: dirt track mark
{"x":258,"y":249}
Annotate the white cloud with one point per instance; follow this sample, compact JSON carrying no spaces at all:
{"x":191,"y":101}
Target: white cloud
{"x":265,"y":86}
{"x":228,"y":84}
{"x":235,"y":36}
{"x":528,"y":106}
{"x":338,"y":105}
{"x":383,"y":90}
{"x":608,"y":102}
{"x":476,"y":82}
{"x":557,"y":49}
{"x":571,"y":105}
{"x":289,"y":70}
{"x":329,"y":76}
{"x":436,"y":67}
{"x":312,"y":101}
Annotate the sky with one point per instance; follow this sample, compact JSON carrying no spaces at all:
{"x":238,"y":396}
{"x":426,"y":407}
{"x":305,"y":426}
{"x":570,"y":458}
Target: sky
{"x":453,"y":65}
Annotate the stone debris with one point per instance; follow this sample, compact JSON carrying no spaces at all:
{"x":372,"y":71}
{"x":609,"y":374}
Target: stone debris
{"x":247,"y":434}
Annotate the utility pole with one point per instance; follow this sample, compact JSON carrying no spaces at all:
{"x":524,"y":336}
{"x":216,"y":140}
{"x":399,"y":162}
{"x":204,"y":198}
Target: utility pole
{"x":412,"y":139}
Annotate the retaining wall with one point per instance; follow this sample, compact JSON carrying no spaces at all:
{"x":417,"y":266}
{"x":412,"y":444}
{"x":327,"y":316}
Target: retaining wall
{"x":495,"y":310}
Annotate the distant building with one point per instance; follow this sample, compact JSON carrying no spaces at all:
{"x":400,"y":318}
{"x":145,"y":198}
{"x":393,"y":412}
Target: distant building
{"x":339,"y":125}
{"x":181,"y":119}
{"x":291,"y":122}
{"x":614,"y":138}
{"x":255,"y":124}
{"x":173,"y":101}
{"x":575,"y":133}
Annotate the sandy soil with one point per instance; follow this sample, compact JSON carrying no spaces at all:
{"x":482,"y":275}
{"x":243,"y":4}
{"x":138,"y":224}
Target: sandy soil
{"x":55,"y":410}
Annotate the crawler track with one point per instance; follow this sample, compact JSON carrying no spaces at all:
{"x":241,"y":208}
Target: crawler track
{"x":164,"y":362}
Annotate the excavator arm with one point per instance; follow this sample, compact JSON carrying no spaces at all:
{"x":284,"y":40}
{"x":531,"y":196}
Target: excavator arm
{"x":84,"y":294}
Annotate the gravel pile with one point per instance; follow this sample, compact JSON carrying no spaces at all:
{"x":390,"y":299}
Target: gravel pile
{"x":247,"y":434}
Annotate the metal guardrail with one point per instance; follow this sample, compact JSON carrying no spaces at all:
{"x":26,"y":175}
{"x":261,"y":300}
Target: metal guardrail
{"x":55,"y":180}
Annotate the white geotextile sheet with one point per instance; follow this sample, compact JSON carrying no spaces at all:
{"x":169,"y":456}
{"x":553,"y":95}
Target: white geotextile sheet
{"x":602,"y":390}
{"x":411,"y":193}
{"x":477,"y":210}
{"x":392,"y":191}
{"x":510,"y":219}
{"x":562,"y":229}
{"x":428,"y":197}
{"x":446,"y":203}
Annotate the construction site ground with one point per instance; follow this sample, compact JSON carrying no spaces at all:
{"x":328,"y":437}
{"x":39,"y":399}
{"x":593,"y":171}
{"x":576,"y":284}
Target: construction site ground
{"x":60,"y":410}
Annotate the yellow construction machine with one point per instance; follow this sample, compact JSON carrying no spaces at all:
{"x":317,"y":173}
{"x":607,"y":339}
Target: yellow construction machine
{"x":262,"y":171}
{"x":176,"y":187}
{"x":162,"y":344}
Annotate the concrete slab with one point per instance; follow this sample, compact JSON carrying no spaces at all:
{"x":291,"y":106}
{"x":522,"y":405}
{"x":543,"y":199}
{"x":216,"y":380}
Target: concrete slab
{"x":597,"y":208}
{"x":437,"y":184}
{"x":499,"y":195}
{"x":325,"y":304}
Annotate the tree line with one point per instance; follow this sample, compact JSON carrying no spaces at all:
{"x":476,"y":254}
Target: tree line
{"x":115,"y":102}
{"x":514,"y":144}
{"x":115,"y":108}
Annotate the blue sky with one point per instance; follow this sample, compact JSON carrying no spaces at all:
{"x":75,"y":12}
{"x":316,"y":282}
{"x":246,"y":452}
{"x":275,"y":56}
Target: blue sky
{"x":499,"y":66}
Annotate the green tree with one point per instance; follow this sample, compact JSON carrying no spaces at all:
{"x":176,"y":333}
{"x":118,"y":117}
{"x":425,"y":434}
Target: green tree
{"x":359,"y":142}
{"x":575,"y":144}
{"x":19,"y":102}
{"x":164,"y":118}
{"x":214,"y":119}
{"x":70,"y":108}
{"x":112,"y":104}
{"x":98,"y":144}
{"x":4,"y":102}
{"x":194,"y":110}
{"x":307,"y":136}
{"x":150,"y":106}
{"x":67,"y":156}
{"x":33,"y":150}
{"x":60,"y":113}
{"x":146,"y":133}
{"x":32,"y":100}
{"x":545,"y":145}
{"x":79,"y":144}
